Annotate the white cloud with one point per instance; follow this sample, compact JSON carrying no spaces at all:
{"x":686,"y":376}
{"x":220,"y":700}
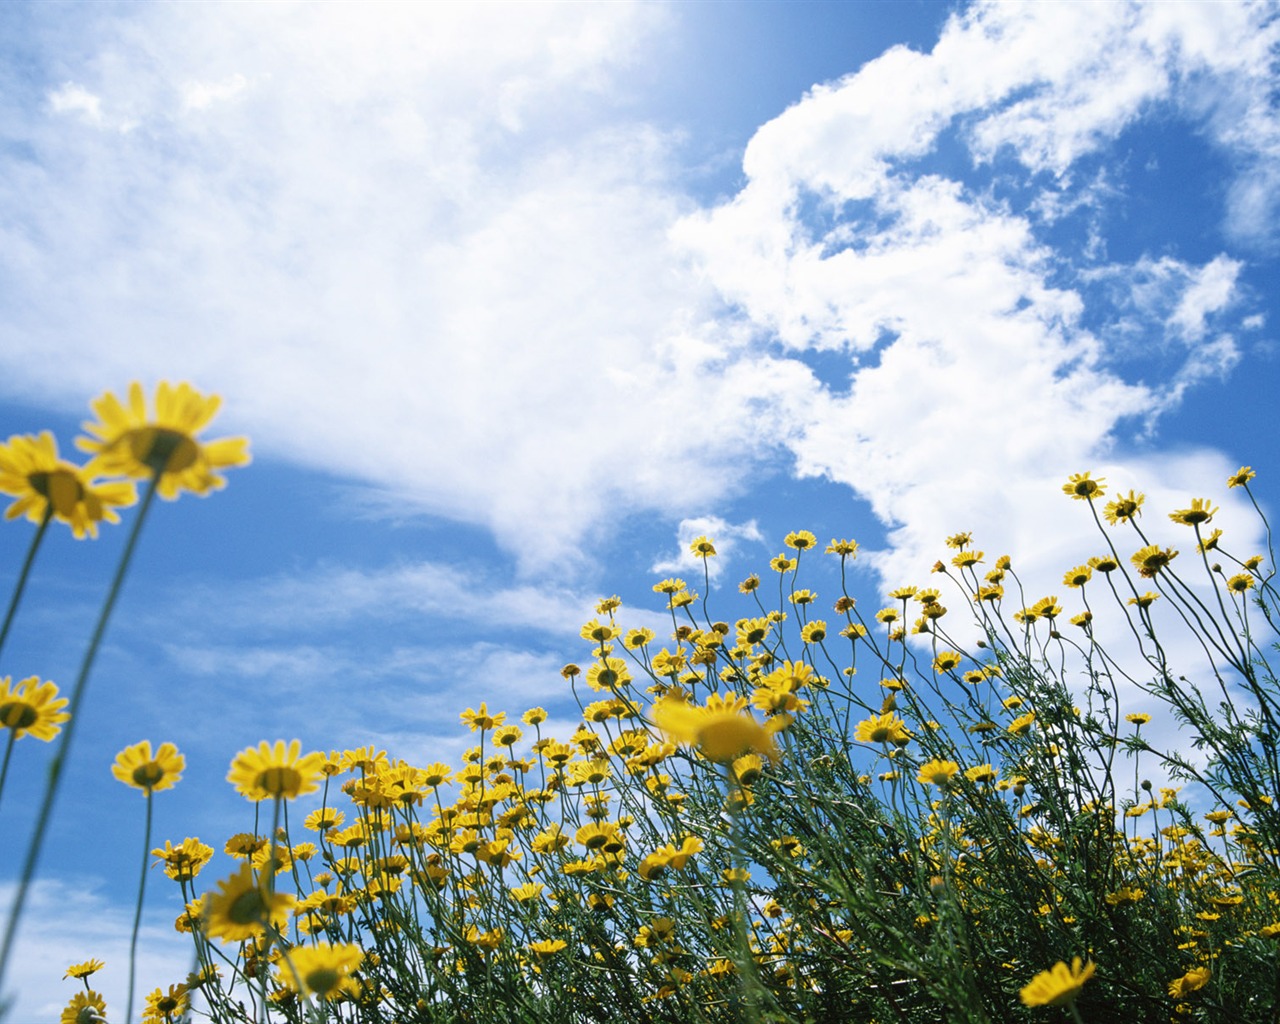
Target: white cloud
{"x":979,"y":389}
{"x":724,"y":534}
{"x":70,"y":920}
{"x":422,"y":248}
{"x":199,"y":95}
{"x":74,"y":99}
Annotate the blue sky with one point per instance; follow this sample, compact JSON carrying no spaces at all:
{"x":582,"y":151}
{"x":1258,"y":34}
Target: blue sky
{"x":513,"y":301}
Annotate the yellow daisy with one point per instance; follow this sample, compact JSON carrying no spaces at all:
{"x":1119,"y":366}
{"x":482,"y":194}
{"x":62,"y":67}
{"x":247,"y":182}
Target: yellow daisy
{"x":130,"y":441}
{"x":136,"y":766}
{"x":46,"y":485}
{"x":1058,"y":985}
{"x":722,"y":731}
{"x":271,"y":772}
{"x":242,"y":906}
{"x":86,"y":1007}
{"x":323,"y":970}
{"x":85,"y":969}
{"x":32,"y":708}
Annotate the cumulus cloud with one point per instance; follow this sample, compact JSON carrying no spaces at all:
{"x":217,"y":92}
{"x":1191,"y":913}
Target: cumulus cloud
{"x":980,"y":380}
{"x":725,"y":535}
{"x":72,"y":920}
{"x":425,"y":248}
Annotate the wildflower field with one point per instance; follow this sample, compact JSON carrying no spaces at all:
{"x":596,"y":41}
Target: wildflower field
{"x":846,"y":809}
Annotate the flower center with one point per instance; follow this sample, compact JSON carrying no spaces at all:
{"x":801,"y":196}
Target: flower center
{"x":322,"y":981}
{"x":18,"y":714}
{"x":163,"y":449}
{"x":280,"y":781}
{"x":247,"y":908}
{"x":61,"y":487}
{"x":148,"y":775}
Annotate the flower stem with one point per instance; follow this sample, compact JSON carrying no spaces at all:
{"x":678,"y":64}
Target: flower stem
{"x":8,"y":753}
{"x":137,"y":914}
{"x":21,"y":585}
{"x":59,"y":761}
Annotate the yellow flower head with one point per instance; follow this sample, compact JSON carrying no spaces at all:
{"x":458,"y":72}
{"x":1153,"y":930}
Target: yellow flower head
{"x":85,"y":969}
{"x":886,"y":728}
{"x":1058,"y":985}
{"x":183,"y":862}
{"x":800,"y":540}
{"x":703,"y":547}
{"x":136,"y":766}
{"x":272,"y":772}
{"x":937,"y":773}
{"x":1081,"y":488}
{"x":323,"y":969}
{"x":243,"y":906}
{"x":46,"y":485}
{"x":1125,"y":508}
{"x":86,"y":1007}
{"x":129,"y":441}
{"x":1151,"y":559}
{"x":722,"y":731}
{"x":1194,"y":980}
{"x":1201,"y":511}
{"x":32,"y":708}
{"x":167,"y":1004}
{"x":1241,"y":478}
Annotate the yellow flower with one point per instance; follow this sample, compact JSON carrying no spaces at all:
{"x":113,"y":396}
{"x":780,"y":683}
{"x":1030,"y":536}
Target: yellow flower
{"x":1201,"y":511}
{"x":722,"y":731}
{"x":980,"y":773}
{"x":702,"y":547}
{"x":242,"y":906}
{"x":1139,"y":718}
{"x":547,"y":947}
{"x":272,"y":772}
{"x":886,"y":728}
{"x":323,"y":969}
{"x":85,"y":969}
{"x":32,"y":708}
{"x":86,"y":1007}
{"x":481,"y":719}
{"x":1151,"y":559}
{"x":1078,"y":577}
{"x":1195,"y":979}
{"x":800,"y":540}
{"x":1241,"y":478}
{"x":129,"y":441}
{"x":1124,"y":508}
{"x":1081,"y":488}
{"x":946,"y":661}
{"x":1022,"y":724}
{"x":183,"y":862}
{"x":1058,"y":985}
{"x":136,"y":766}
{"x":937,"y":772}
{"x":843,"y":548}
{"x":1240,"y":582}
{"x":44,"y":484}
{"x":166,"y":1005}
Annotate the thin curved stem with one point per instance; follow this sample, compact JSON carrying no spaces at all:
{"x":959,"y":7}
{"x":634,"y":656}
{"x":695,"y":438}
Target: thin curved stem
{"x":59,"y":761}
{"x":137,"y":914}
{"x":8,"y":753}
{"x":21,"y":585}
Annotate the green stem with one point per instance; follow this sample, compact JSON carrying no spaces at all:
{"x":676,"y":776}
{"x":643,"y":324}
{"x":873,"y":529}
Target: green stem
{"x":8,"y":753}
{"x":137,"y":914}
{"x":59,"y":761}
{"x":21,"y":585}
